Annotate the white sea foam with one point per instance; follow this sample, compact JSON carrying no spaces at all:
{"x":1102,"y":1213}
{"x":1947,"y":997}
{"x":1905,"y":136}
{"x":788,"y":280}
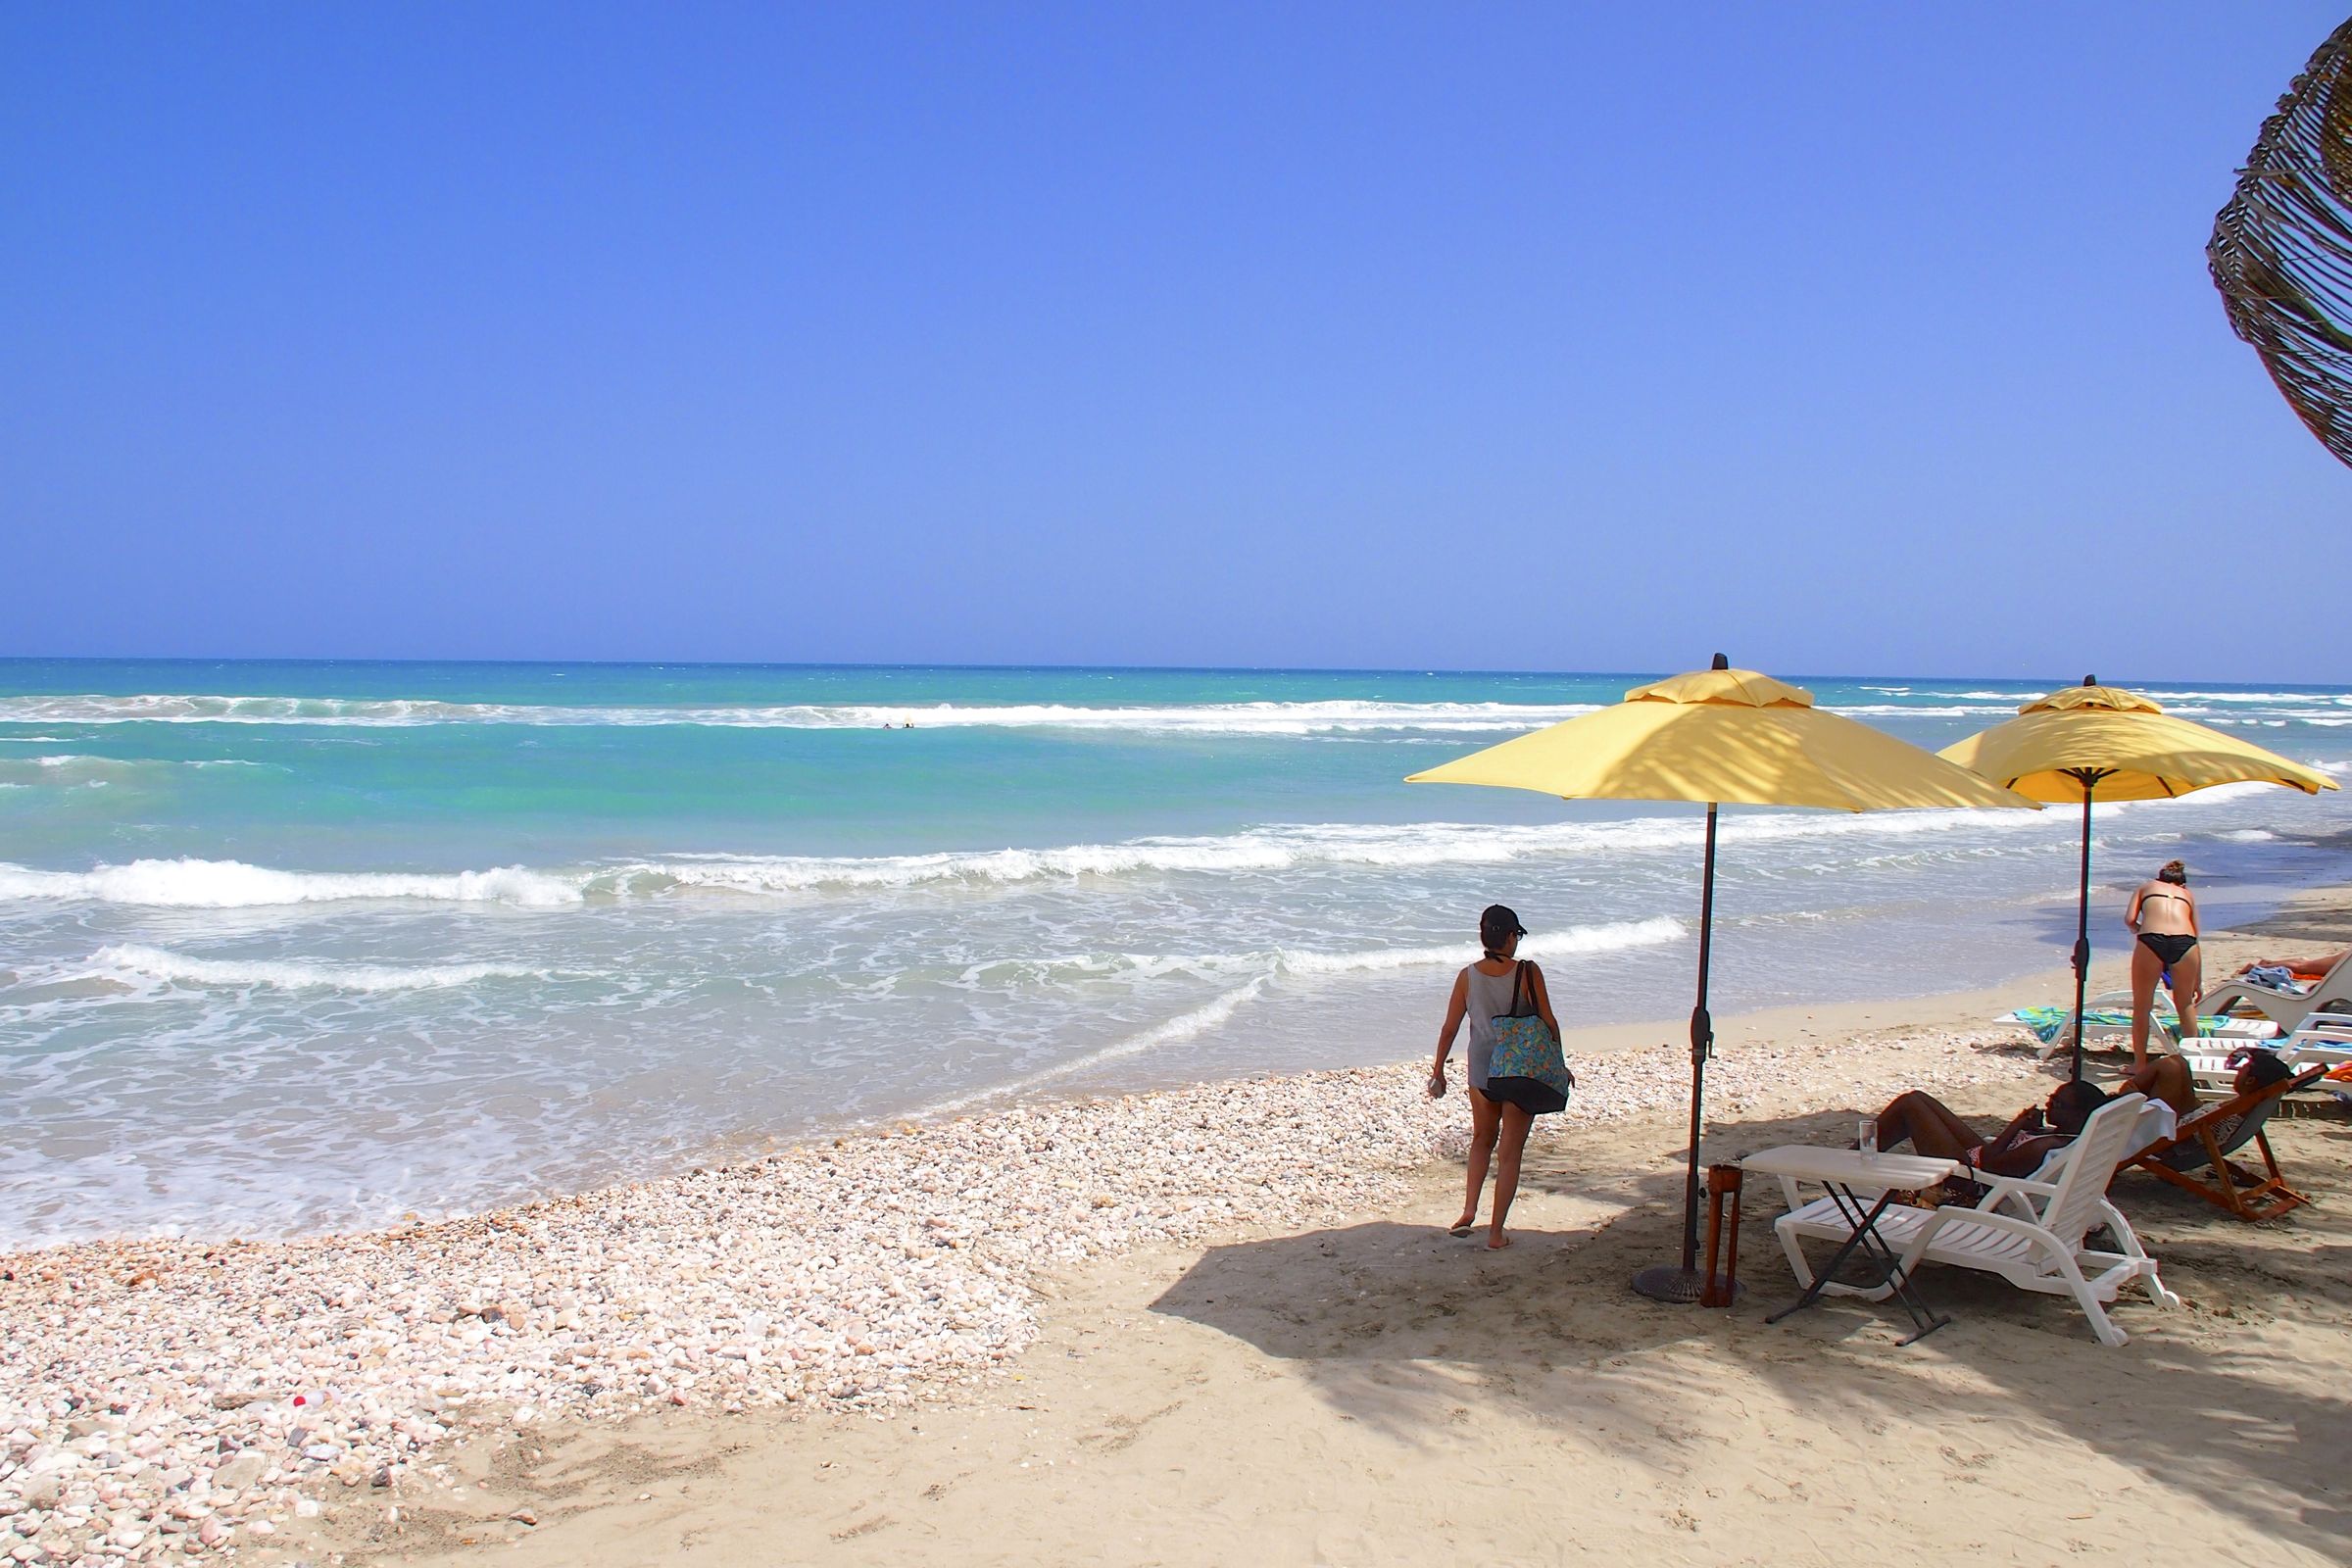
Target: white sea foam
{"x":179,"y":969}
{"x":2232,"y":792}
{"x":1335,"y":716}
{"x":1940,"y":709}
{"x":2196,"y":702}
{"x":1267,"y":848}
{"x":1236,"y":719}
{"x":2248,"y":697}
{"x":1611,"y":937}
{"x":231,"y":884}
{"x":1219,"y":1010}
{"x":1184,"y":1026}
{"x":191,"y":884}
{"x":2025,"y":696}
{"x":65,"y":770}
{"x":1267,"y":964}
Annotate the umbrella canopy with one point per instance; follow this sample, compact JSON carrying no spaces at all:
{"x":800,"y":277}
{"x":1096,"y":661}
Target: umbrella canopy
{"x":2093,"y":742}
{"x":2129,"y":746}
{"x":1723,"y":736}
{"x":1714,"y":736}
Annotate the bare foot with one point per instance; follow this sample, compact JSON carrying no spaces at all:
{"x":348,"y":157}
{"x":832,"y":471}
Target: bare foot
{"x":1498,"y":1242}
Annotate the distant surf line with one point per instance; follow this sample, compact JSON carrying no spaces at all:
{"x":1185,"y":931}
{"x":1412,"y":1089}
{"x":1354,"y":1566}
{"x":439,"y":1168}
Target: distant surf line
{"x":191,"y":883}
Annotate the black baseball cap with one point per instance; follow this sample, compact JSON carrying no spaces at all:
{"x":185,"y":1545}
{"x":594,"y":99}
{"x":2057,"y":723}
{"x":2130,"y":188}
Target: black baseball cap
{"x":1498,"y":922}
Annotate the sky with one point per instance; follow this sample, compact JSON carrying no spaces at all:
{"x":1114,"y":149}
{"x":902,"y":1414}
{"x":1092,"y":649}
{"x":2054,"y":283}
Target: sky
{"x":1844,"y":339}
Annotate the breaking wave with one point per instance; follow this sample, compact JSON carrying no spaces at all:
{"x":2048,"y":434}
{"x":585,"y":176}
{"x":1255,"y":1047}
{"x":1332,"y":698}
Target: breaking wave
{"x":1234,"y":719}
{"x":179,"y":969}
{"x":232,"y":884}
{"x":189,"y":884}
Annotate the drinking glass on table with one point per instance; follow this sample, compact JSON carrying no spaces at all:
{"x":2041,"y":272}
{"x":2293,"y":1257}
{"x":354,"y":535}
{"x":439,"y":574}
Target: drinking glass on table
{"x":1866,"y":1138}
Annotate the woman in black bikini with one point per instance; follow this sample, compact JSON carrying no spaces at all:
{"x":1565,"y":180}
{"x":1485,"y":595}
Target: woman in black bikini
{"x":2164,"y":916}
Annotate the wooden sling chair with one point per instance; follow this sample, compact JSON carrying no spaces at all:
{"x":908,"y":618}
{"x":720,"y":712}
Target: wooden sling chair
{"x":2196,"y":1157}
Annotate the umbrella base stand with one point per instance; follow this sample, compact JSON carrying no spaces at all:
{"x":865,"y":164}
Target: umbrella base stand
{"x":1673,"y":1284}
{"x":1685,"y":1286}
{"x":1682,"y":1286}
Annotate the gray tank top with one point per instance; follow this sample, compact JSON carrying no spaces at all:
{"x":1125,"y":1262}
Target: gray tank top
{"x":1490,"y":996}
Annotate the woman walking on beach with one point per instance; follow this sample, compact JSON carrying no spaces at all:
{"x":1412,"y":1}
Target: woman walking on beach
{"x":1498,"y":985}
{"x":2164,"y":916}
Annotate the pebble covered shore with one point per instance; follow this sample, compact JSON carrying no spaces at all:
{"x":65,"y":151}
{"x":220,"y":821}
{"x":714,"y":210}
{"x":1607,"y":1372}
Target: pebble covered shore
{"x":181,"y":1396}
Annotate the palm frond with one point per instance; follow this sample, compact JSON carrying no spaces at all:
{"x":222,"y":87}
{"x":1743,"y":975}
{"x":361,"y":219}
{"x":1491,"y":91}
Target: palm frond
{"x":2282,"y":249}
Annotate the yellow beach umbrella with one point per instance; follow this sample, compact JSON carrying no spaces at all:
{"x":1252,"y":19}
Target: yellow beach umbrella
{"x":1715,"y":736}
{"x":2093,"y":742}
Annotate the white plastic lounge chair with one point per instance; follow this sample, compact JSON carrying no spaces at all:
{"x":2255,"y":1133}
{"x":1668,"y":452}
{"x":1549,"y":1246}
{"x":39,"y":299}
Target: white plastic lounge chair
{"x":2285,"y":1005}
{"x":2108,"y":1017}
{"x":2322,"y":1037}
{"x":2324,"y":1040}
{"x":2029,"y":1231}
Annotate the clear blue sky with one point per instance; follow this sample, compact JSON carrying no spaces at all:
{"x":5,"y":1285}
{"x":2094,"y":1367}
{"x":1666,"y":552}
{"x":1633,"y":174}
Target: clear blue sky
{"x":1856,"y":338}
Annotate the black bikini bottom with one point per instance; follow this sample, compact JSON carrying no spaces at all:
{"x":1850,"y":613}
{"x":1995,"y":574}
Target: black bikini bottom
{"x":2170,"y":949}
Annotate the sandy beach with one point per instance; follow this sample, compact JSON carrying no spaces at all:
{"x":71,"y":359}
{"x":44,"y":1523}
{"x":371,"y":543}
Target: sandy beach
{"x":1198,"y":1326}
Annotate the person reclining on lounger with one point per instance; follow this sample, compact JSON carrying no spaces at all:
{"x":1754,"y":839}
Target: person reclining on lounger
{"x":2258,"y":1071}
{"x":1936,"y":1131}
{"x":2311,"y":966}
{"x":2165,"y":1078}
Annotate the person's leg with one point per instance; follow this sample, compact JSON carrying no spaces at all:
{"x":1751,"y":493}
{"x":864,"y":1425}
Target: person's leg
{"x":1484,"y":1118}
{"x":1927,"y":1123}
{"x":2169,"y":1079}
{"x":2188,"y":988}
{"x":2146,"y":968}
{"x":1515,"y":1123}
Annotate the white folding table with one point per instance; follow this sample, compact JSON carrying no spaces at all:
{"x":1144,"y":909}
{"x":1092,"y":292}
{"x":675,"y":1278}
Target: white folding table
{"x":1850,"y":1175}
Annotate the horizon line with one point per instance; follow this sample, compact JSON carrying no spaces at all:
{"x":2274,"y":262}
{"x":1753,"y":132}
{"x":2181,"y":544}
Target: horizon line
{"x":1085,"y":668}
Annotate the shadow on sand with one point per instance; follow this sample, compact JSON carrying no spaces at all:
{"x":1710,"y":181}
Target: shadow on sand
{"x":1409,"y":1330}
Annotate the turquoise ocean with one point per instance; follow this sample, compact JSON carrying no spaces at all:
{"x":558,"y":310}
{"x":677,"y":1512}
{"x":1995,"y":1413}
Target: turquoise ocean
{"x":288,"y":947}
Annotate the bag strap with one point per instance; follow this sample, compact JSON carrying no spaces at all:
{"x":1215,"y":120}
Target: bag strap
{"x":1518,"y":984}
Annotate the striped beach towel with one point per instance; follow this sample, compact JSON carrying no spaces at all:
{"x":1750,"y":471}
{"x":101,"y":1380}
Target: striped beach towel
{"x":2048,"y":1023}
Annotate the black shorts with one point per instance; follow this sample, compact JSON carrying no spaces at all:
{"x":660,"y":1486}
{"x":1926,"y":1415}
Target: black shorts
{"x":2170,"y":949}
{"x":1531,"y":1094}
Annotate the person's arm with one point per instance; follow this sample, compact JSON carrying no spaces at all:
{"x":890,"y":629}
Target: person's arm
{"x":1455,"y":1007}
{"x":1542,"y":1001}
{"x":2021,"y":1156}
{"x":2131,"y":911}
{"x":2026,"y":1121}
{"x":2018,"y":1148}
{"x":2316,"y":963}
{"x":2194,"y":929}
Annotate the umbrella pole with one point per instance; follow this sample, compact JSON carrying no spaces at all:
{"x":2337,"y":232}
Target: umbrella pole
{"x":2082,"y":931}
{"x":1665,"y":1282}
